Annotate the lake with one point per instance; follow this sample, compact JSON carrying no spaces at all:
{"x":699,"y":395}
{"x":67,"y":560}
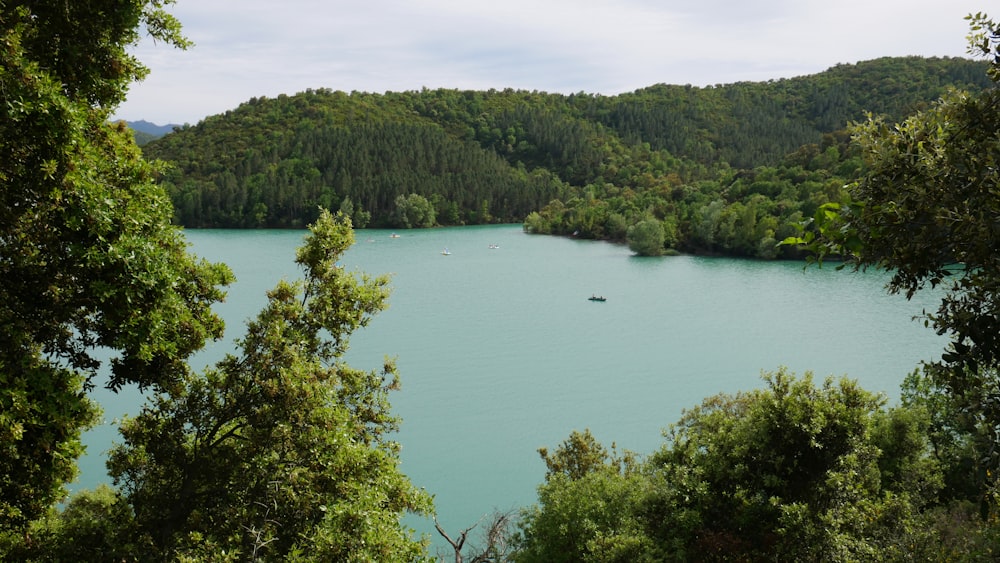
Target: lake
{"x":501,"y":352}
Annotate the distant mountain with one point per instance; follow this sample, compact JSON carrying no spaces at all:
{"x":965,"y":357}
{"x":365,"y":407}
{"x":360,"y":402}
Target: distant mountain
{"x":153,"y":129}
{"x":145,"y":132}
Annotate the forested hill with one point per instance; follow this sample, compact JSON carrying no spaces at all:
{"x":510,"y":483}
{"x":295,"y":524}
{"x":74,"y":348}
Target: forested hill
{"x":722,"y":169}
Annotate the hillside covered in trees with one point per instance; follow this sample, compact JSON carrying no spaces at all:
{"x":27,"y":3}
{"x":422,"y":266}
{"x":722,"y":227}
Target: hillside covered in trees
{"x":726,"y":169}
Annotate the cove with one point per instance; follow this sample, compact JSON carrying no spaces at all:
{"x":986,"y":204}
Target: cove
{"x":501,"y":352}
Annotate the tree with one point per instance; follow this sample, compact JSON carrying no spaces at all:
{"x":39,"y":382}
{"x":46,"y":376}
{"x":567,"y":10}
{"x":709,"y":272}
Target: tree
{"x":283,"y":451}
{"x":359,"y":217}
{"x":414,"y":211}
{"x":588,"y":506}
{"x":88,"y":257}
{"x":795,"y":471}
{"x":957,"y":438}
{"x":646,"y":237}
{"x":926,"y":210}
{"x":789,"y":472}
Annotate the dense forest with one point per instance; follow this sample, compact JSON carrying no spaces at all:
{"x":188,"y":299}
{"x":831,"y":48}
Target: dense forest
{"x":726,"y":169}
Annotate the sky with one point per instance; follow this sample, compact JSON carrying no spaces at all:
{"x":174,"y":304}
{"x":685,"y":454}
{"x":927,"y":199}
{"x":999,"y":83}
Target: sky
{"x":253,"y":48}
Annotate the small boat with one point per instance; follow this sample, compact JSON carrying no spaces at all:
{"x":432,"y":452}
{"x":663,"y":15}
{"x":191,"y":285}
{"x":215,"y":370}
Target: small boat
{"x":393,"y":235}
{"x":494,"y":246}
{"x":446,"y":252}
{"x":600,"y":298}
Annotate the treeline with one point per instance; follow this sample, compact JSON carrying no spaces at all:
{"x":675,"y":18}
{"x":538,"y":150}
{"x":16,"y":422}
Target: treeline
{"x":726,"y":169}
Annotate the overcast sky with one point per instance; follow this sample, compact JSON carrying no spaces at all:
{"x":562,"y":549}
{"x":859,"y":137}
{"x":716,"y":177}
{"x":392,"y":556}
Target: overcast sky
{"x":248,"y":48}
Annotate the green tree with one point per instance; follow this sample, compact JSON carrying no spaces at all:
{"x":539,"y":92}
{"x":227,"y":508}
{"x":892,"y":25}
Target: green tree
{"x":88,"y":257}
{"x":646,"y":237}
{"x":536,"y":224}
{"x":926,"y":210}
{"x":792,"y":472}
{"x":358,"y":216}
{"x":587,"y":508}
{"x":282,"y":451}
{"x":93,"y":526}
{"x":414,"y":211}
{"x":957,"y":437}
{"x":796,"y":471}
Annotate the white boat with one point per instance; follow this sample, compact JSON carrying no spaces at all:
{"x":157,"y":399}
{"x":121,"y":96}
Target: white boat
{"x":446,"y":252}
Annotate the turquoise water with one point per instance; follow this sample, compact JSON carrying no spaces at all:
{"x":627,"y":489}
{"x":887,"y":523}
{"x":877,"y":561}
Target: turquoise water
{"x":500,"y":351}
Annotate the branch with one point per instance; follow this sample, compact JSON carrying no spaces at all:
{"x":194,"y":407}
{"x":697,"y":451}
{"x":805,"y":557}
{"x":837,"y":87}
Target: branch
{"x":457,"y":545}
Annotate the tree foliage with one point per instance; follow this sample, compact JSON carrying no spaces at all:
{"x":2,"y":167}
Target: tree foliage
{"x":796,"y":471}
{"x":94,"y":525}
{"x":587,"y":506}
{"x":88,"y":257}
{"x":281,"y":451}
{"x":414,"y":211}
{"x":791,"y":471}
{"x":926,"y":210}
{"x":646,"y":238}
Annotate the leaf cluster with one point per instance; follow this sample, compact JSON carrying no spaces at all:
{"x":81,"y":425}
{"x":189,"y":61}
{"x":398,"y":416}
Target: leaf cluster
{"x":925,"y":209}
{"x":281,"y":451}
{"x":88,"y":257}
{"x":796,"y":471}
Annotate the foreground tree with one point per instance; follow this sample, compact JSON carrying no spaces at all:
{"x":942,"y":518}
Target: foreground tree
{"x":796,"y":471}
{"x":281,"y":452}
{"x":88,"y":257}
{"x":587,"y":508}
{"x":92,"y":526}
{"x":927,"y":210}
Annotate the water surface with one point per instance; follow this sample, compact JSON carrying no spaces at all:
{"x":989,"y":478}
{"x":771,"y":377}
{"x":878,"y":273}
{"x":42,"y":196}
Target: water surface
{"x":501,"y":352}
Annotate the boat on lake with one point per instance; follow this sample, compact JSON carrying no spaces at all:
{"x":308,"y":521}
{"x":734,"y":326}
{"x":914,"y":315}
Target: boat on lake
{"x":600,"y":298}
{"x":446,"y":252}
